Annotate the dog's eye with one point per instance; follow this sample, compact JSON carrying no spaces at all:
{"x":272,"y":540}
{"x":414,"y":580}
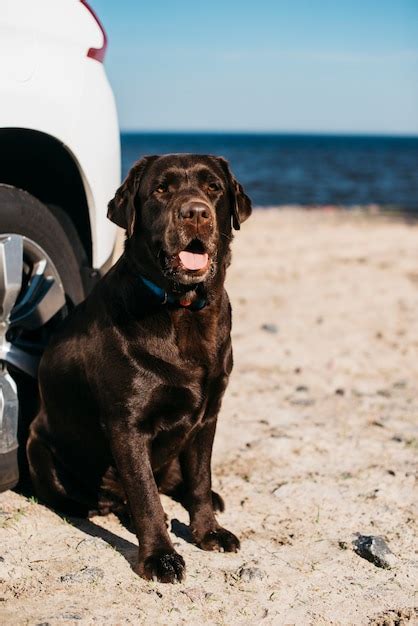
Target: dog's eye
{"x":162,"y":188}
{"x":213,"y":186}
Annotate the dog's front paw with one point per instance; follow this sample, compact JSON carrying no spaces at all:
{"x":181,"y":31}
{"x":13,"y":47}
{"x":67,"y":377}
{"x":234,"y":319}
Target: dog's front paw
{"x":219,"y":539}
{"x":165,"y":567}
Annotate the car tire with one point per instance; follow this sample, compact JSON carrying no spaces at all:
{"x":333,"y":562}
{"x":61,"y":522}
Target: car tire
{"x":22,"y":214}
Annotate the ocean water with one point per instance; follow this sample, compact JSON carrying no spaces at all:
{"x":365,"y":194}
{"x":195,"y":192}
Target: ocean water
{"x":302,"y":169}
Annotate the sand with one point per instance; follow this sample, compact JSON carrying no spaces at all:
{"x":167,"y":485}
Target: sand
{"x":317,"y":441}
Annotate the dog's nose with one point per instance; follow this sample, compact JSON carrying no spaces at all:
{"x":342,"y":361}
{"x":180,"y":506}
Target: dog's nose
{"x":195,"y":212}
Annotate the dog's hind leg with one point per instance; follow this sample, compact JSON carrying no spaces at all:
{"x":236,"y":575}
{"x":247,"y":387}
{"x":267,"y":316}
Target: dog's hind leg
{"x":112,"y":498}
{"x":170,"y":482}
{"x":52,"y":483}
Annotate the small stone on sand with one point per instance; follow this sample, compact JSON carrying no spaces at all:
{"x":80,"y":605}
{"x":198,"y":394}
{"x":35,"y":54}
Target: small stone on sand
{"x":374,"y":549}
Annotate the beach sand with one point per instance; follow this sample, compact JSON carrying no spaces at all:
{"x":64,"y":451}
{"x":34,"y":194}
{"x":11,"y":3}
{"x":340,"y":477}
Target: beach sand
{"x":317,"y":441}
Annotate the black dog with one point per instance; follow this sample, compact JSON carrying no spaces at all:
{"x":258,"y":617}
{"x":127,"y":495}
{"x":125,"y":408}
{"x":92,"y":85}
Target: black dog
{"x":132,"y":384}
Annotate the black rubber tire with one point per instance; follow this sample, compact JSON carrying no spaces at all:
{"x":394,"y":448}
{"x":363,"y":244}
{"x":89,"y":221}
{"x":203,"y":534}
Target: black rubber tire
{"x":23,"y":214}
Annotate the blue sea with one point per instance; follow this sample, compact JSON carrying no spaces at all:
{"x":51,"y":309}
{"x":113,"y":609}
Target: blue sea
{"x":308,"y":170}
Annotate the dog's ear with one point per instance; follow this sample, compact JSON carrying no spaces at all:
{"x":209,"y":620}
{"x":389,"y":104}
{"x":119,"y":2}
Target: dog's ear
{"x":241,"y":207}
{"x":121,"y":210}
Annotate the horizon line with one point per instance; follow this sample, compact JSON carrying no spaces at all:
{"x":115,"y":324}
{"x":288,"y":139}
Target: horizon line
{"x":313,"y":133}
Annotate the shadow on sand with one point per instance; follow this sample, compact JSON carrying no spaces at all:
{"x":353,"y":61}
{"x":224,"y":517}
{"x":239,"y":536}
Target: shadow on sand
{"x":128,"y":549}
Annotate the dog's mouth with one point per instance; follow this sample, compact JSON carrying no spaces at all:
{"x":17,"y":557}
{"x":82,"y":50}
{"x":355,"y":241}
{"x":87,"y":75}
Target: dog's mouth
{"x":194,"y":257}
{"x":190,"y":265}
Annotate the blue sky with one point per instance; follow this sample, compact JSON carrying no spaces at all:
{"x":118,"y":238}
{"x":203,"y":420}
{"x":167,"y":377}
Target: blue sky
{"x":296,"y":65}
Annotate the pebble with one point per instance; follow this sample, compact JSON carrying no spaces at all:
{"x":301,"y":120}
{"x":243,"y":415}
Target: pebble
{"x":374,"y":549}
{"x":86,"y":575}
{"x":250,"y":574}
{"x":300,"y":397}
{"x":276,"y":490}
{"x":270,"y":328}
{"x":400,"y":384}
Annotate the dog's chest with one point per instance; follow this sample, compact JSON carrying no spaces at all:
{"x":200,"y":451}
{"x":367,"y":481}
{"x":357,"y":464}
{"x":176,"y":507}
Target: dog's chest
{"x":177,"y":378}
{"x":198,"y":337}
{"x":181,"y":411}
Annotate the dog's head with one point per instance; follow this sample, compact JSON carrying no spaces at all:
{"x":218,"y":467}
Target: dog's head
{"x":178,"y":211}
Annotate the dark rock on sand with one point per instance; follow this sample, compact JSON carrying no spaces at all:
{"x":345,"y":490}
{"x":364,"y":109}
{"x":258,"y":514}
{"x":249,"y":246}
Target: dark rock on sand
{"x":374,"y":549}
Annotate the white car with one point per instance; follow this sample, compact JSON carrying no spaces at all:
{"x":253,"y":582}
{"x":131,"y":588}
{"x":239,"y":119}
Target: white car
{"x":59,"y":166}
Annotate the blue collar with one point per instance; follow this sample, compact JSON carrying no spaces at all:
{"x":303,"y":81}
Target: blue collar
{"x":167,"y":298}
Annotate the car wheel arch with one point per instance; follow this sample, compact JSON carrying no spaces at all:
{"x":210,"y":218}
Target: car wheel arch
{"x":47,"y":169}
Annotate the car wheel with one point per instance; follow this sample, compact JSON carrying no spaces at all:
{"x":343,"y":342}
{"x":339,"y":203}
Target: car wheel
{"x":39,"y":281}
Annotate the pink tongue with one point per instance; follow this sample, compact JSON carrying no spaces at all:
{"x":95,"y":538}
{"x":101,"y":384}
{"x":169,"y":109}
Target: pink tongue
{"x":193,"y":261}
